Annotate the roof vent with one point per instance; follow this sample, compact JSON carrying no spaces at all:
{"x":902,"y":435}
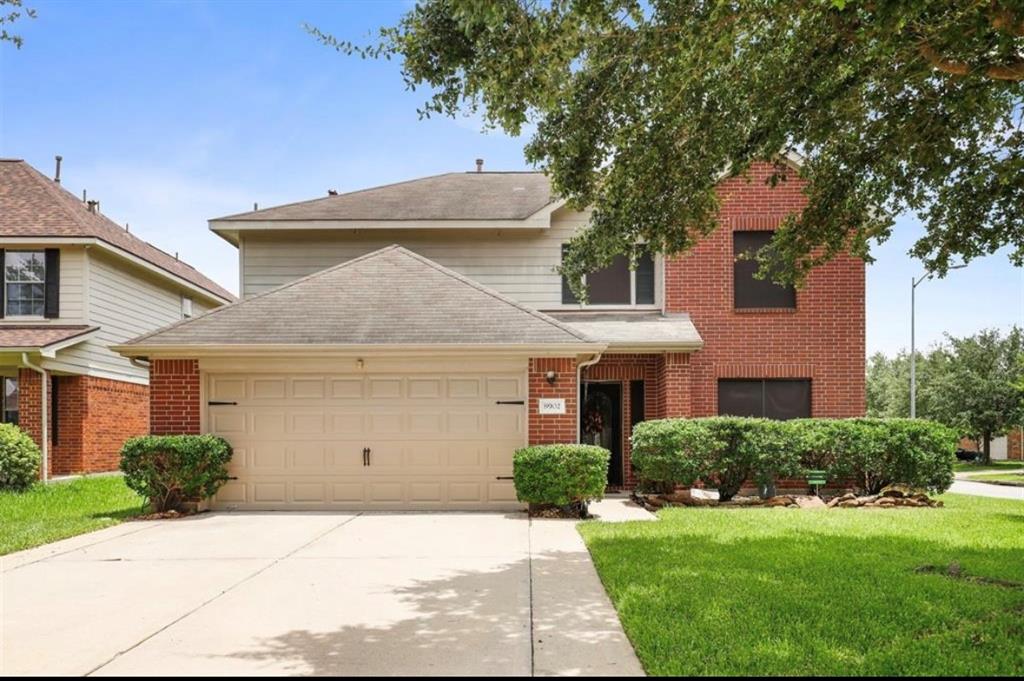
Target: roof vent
{"x":56,"y":175}
{"x":93,"y":206}
{"x":332,"y":192}
{"x":479,"y":165}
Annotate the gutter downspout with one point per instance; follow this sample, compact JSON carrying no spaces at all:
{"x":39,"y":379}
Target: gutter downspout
{"x":45,"y":447}
{"x":579,"y":388}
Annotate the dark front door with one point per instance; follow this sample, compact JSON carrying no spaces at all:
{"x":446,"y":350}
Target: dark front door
{"x":601,"y":423}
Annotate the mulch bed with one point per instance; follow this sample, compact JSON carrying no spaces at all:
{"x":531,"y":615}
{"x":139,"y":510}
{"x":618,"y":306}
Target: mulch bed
{"x":893,"y":496}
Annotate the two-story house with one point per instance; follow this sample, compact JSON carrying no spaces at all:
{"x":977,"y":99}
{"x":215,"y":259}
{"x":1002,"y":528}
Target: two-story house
{"x":75,"y":283}
{"x":395,"y":345}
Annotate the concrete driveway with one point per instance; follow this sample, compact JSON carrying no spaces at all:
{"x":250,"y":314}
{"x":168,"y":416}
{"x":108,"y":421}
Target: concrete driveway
{"x":325,"y":594}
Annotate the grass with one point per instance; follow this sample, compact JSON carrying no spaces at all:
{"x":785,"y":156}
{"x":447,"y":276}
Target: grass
{"x":46,"y":513}
{"x":1017,"y":478}
{"x":793,"y":592}
{"x":968,"y":467}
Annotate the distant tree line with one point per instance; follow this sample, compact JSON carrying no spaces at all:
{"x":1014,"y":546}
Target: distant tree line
{"x":974,"y":384}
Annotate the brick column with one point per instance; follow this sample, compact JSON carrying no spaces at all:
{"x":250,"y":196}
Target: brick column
{"x":30,"y":405}
{"x":174,"y":395}
{"x":552,"y":428}
{"x":674,"y":399}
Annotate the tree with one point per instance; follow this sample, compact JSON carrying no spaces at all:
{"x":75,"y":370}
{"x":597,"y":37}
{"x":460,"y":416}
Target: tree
{"x":888,"y":383}
{"x":11,"y":11}
{"x":981,"y":393}
{"x":642,"y":106}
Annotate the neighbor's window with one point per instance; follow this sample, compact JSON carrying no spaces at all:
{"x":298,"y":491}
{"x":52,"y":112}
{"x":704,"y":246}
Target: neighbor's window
{"x":10,"y":400}
{"x":748,"y":291}
{"x":769,"y":398}
{"x":617,"y":284}
{"x":25,"y":279}
{"x":186,"y":307}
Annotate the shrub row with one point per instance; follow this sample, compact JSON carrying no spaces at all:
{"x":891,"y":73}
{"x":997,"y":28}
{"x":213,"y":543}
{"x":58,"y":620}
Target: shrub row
{"x":170,"y":469}
{"x":723,"y":452}
{"x":560,"y":475}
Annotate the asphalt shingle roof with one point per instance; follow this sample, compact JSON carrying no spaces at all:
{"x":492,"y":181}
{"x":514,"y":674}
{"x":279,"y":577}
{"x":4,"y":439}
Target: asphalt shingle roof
{"x":389,"y":297}
{"x":33,"y":205}
{"x":452,"y":196}
{"x":39,"y":336}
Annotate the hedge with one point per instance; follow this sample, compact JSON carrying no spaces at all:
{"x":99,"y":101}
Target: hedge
{"x":171,"y":469}
{"x":724,"y":452}
{"x":20,"y":459}
{"x":560,"y":475}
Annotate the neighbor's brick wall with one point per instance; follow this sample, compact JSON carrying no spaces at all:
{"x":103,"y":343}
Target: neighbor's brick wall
{"x":95,"y":416}
{"x":174,"y":387}
{"x":552,"y":428}
{"x":117,"y":411}
{"x":822,"y":340}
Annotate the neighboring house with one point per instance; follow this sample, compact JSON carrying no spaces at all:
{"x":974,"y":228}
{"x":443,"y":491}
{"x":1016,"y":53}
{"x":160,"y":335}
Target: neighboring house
{"x":74,"y":284}
{"x":357,"y":374}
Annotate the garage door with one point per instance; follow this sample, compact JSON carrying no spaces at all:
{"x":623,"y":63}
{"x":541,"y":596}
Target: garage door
{"x":422,"y":441}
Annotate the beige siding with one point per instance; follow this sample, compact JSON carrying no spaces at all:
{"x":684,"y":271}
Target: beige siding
{"x":124,"y":301}
{"x":518,"y":263}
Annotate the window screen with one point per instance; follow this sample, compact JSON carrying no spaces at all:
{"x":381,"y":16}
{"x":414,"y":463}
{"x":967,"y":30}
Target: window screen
{"x":614,"y":284}
{"x":780,"y":399}
{"x":750,"y":292}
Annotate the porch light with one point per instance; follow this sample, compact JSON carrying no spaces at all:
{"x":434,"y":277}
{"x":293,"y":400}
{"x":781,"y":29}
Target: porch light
{"x":551,"y":377}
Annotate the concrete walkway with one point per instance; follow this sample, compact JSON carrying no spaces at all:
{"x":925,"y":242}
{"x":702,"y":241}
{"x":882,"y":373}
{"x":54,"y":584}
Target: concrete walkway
{"x":313,"y":594}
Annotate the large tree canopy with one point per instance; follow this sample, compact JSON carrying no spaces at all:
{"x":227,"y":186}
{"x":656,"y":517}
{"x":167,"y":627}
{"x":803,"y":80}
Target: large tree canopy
{"x":641,"y":107}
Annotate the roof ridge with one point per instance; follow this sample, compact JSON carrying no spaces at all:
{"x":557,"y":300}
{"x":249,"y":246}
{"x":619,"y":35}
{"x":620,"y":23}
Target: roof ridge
{"x":491,"y":292}
{"x":335,"y":196}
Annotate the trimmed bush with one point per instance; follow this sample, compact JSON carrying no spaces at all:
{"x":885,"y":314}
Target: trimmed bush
{"x":20,"y":458}
{"x":873,"y":453}
{"x":725,"y":452}
{"x":561,"y":475}
{"x":171,"y":469}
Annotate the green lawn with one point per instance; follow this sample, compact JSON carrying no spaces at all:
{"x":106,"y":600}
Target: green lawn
{"x":779,"y":591}
{"x":1017,"y":478}
{"x":47,"y":513}
{"x":967,"y":467}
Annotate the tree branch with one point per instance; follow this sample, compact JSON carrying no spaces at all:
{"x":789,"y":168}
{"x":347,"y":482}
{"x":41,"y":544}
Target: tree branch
{"x":1012,"y":71}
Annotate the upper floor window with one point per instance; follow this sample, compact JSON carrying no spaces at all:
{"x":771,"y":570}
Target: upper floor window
{"x":617,"y":284}
{"x":781,"y":398}
{"x":31,"y":283}
{"x":750,"y":292}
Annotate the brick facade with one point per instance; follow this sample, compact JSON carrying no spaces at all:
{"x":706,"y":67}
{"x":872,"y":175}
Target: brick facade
{"x":94,"y":418}
{"x":552,"y":428}
{"x":174,"y":405}
{"x":823,"y":339}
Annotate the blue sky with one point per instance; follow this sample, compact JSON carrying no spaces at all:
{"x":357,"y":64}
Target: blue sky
{"x":171,"y":113}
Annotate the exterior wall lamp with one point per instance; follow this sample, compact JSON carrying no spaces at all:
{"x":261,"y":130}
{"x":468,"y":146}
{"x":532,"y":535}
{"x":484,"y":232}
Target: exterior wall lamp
{"x":551,"y":377}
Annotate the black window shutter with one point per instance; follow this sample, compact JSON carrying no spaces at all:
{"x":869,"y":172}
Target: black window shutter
{"x":52,"y":305}
{"x":3,"y":283}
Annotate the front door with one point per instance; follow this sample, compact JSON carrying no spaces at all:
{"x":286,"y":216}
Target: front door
{"x":601,"y":423}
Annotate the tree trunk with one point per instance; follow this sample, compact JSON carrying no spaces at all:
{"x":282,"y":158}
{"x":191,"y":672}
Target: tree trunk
{"x":986,"y":449}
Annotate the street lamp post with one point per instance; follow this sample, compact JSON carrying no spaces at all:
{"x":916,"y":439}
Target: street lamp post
{"x":913,"y":350}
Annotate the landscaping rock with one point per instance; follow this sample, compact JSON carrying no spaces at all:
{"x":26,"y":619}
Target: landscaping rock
{"x":779,"y":501}
{"x":809,"y":502}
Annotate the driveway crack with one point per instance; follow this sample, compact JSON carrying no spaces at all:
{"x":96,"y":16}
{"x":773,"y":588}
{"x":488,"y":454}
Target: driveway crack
{"x":230,"y":588}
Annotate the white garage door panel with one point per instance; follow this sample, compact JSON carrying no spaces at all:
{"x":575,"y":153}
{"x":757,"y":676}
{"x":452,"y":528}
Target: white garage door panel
{"x":436,"y":440}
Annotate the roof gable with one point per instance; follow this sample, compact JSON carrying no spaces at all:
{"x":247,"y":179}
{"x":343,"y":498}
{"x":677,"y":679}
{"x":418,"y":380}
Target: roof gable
{"x":391,"y":297}
{"x":33,"y":205}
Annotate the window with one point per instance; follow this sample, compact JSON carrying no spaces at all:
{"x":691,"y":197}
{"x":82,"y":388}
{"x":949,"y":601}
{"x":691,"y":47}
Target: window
{"x":617,"y":284}
{"x":780,"y":399}
{"x":25,"y":283}
{"x":748,"y":291}
{"x":186,"y":307}
{"x":10,"y":400}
